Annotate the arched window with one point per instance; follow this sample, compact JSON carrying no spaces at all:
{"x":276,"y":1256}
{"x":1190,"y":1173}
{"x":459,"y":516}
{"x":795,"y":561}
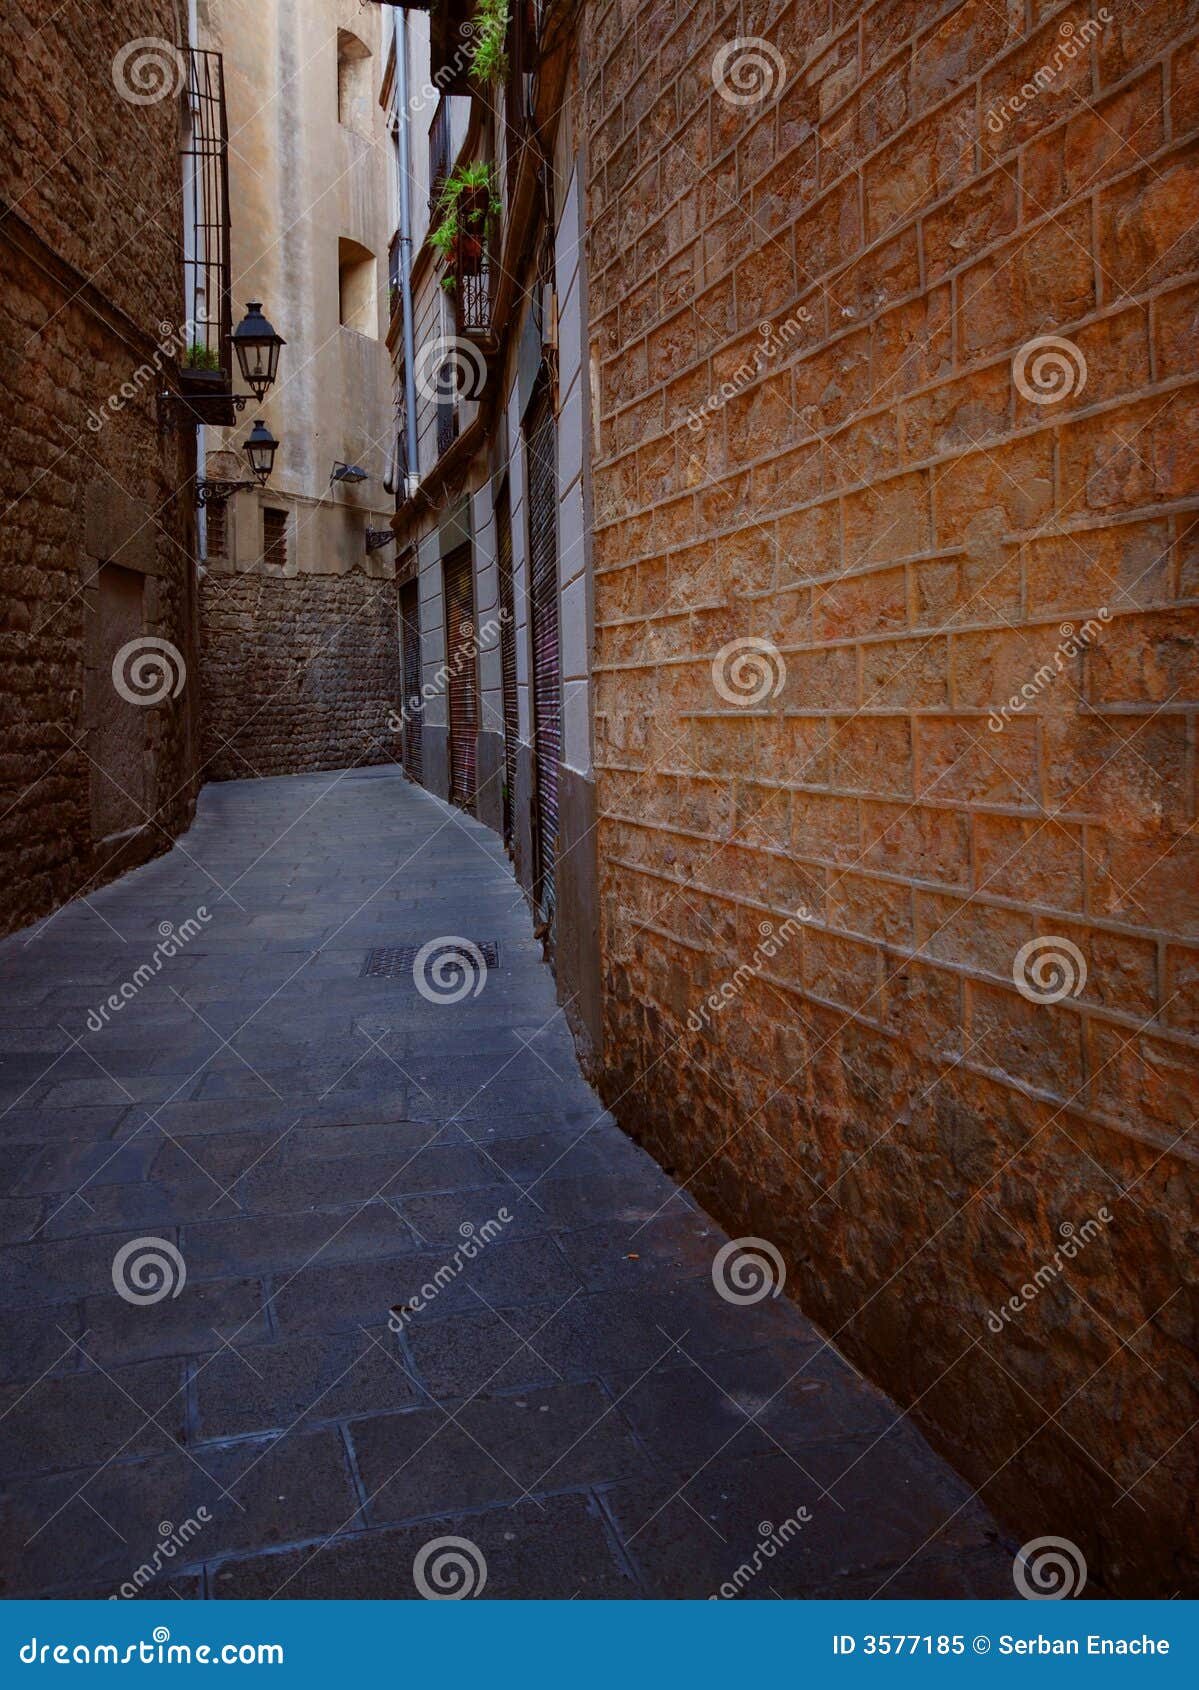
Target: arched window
{"x":357,"y":293}
{"x":353,"y":82}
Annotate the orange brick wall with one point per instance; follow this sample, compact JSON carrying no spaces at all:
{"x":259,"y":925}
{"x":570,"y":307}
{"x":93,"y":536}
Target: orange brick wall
{"x":920,"y":522}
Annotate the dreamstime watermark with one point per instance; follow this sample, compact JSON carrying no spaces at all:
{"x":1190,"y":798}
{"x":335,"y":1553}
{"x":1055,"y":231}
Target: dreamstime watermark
{"x":1048,"y":969}
{"x":449,"y":1569}
{"x":1049,"y":1569}
{"x":446,"y":74}
{"x":748,"y":671}
{"x":774,"y":343}
{"x":748,"y":70}
{"x":148,"y":70}
{"x":147,"y":1270}
{"x":475,"y":1240}
{"x":171,"y":1540}
{"x":1074,"y":1241}
{"x":1073,"y":642}
{"x":747,"y":1270}
{"x":770,"y":1540}
{"x":467,"y":652}
{"x":147,"y":670}
{"x":171,"y":941}
{"x":448,"y":969}
{"x":157,"y":1651}
{"x":448,"y":368}
{"x":772,"y":942}
{"x":1048,"y":369}
{"x":1074,"y":39}
{"x":174,"y":339}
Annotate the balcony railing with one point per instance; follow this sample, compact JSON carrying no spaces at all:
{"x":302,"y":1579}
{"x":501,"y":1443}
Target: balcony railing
{"x":206,"y":367}
{"x":472,"y":301}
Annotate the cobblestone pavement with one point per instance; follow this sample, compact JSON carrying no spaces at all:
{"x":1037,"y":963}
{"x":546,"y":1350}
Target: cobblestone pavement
{"x":317,"y":1382}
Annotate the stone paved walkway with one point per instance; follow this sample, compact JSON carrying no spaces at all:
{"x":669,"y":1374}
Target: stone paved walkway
{"x":578,"y":1401}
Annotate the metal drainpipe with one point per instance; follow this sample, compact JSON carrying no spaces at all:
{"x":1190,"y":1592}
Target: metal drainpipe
{"x":412,"y":468}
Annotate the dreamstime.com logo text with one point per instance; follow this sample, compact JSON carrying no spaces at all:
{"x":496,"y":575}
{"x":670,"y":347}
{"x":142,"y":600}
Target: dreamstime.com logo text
{"x":467,"y":652}
{"x":1074,"y":1241}
{"x":171,"y":941}
{"x":774,"y":343}
{"x":171,"y":1540}
{"x":446,"y":75}
{"x":770,"y":1540}
{"x":772,"y":942}
{"x":1073,"y":642}
{"x":475,"y":1240}
{"x":1074,"y":40}
{"x":173,"y":339}
{"x":158,"y":1651}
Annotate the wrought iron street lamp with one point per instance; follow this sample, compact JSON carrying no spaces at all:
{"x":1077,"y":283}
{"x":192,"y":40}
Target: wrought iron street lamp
{"x":260,"y":449}
{"x":257,"y":347}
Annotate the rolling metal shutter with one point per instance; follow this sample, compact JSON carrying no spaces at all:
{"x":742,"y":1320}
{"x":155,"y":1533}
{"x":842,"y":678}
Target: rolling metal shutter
{"x":543,"y":611}
{"x":503,"y":517}
{"x":463,"y":684}
{"x":411,"y":678}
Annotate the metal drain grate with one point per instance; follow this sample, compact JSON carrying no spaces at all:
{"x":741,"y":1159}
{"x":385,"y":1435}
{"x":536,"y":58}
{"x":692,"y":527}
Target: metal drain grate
{"x":395,"y":962}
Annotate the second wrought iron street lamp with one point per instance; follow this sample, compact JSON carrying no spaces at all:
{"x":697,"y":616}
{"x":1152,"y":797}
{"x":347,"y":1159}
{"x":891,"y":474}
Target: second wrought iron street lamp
{"x":257,"y":347}
{"x":260,"y":449}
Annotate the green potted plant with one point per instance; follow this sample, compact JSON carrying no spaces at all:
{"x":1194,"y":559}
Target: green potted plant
{"x":469,"y":203}
{"x":488,"y":54}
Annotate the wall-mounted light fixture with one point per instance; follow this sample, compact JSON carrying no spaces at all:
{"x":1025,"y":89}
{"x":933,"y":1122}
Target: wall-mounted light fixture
{"x":257,"y":347}
{"x":350,"y":473}
{"x":260,"y":449}
{"x":205,"y":390}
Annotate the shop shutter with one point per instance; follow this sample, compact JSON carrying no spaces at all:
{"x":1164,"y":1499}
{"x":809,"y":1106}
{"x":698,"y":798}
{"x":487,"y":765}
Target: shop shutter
{"x":543,"y":611}
{"x":462,"y":684}
{"x":411,"y":678}
{"x":503,"y":517}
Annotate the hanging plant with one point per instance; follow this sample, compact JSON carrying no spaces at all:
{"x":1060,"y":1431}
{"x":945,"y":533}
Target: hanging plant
{"x":488,"y":53}
{"x":200,"y":357}
{"x":468,"y":203}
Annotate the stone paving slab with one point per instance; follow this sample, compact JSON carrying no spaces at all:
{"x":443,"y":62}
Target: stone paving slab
{"x":413,"y":1282}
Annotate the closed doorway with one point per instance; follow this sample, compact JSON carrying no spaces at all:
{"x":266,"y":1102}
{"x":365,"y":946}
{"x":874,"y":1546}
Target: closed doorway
{"x":462,"y":686}
{"x":541,"y":460}
{"x":503,"y":517}
{"x":121,"y":670}
{"x":410,"y":679}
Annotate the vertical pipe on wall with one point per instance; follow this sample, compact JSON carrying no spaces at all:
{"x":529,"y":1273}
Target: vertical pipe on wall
{"x":411,"y":467}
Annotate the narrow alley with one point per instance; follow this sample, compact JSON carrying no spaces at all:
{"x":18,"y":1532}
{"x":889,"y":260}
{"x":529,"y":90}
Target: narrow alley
{"x":286,"y":1389}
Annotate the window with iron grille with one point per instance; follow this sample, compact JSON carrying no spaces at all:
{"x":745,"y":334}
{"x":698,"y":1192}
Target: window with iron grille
{"x":216,"y":541}
{"x":439,"y":151}
{"x":447,"y":408}
{"x":274,"y":538}
{"x":206,"y":268}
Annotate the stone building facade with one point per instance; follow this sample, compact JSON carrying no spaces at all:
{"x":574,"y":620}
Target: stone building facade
{"x":300,"y":656}
{"x":97,"y":531}
{"x":895,"y":683}
{"x":492,"y":529}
